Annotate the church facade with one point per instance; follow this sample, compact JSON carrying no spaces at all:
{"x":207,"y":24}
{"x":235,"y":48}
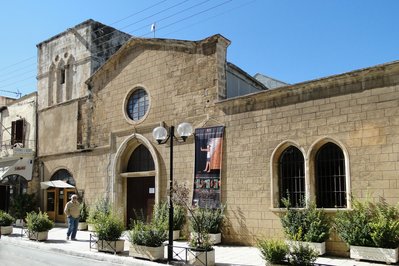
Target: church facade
{"x":326,"y":140}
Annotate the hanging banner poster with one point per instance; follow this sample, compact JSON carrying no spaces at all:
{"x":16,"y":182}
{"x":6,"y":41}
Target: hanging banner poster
{"x":208,"y":163}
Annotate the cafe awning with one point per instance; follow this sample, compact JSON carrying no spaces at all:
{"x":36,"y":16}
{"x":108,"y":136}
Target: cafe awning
{"x":19,"y":166}
{"x":55,"y":183}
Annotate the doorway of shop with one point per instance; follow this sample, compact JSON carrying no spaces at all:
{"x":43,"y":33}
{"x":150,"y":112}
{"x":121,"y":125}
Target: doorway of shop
{"x":56,"y":200}
{"x":58,"y":194}
{"x":4,"y":197}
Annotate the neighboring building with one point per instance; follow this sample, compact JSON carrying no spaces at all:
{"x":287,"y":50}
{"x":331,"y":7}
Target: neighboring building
{"x":18,"y":147}
{"x":326,"y":139}
{"x":240,"y":83}
{"x":268,"y":82}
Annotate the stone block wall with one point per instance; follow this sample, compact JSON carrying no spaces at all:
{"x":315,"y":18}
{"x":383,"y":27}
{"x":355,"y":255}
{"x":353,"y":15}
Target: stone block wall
{"x":358,"y":110}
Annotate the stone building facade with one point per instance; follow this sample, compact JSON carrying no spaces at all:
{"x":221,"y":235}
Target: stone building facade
{"x":18,"y":148}
{"x":326,"y":139}
{"x":65,"y":61}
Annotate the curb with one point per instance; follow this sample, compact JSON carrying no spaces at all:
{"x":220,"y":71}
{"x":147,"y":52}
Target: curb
{"x":95,"y":255}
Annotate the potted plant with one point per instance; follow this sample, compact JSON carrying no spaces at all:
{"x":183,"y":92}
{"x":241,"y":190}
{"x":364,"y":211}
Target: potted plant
{"x":277,"y":252}
{"x":109,"y":228}
{"x":83,"y":216}
{"x":147,"y":240}
{"x":100,"y":207}
{"x":179,"y":219}
{"x":212,"y":222}
{"x":309,"y":225}
{"x":371,"y":230}
{"x":38,"y":225}
{"x":201,"y":251}
{"x":6,"y":221}
{"x":273,"y":251}
{"x":161,"y":218}
{"x":20,"y":205}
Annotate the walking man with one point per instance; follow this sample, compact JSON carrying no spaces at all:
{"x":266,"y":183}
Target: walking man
{"x":72,"y":212}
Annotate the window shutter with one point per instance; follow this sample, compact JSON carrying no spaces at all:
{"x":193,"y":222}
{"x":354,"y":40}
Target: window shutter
{"x":13,"y":132}
{"x":17,"y":131}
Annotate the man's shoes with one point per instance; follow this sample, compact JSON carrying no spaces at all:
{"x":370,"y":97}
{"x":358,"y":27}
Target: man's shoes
{"x":74,"y":239}
{"x":67,"y":238}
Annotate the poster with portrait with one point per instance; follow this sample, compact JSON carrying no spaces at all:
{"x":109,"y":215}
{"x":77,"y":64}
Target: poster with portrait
{"x":208,"y":164}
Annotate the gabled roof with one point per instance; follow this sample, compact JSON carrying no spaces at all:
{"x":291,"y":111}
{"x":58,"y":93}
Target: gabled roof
{"x":189,"y":46}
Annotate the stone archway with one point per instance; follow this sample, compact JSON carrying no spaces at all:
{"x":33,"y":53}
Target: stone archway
{"x":123,"y":180}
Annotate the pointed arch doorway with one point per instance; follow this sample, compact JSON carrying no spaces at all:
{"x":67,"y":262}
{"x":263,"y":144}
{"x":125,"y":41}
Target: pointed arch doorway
{"x":140,"y":185}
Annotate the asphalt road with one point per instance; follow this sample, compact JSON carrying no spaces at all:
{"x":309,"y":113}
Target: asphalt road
{"x":14,"y":255}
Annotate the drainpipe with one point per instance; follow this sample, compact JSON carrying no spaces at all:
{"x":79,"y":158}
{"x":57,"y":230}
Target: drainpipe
{"x":37,"y":159}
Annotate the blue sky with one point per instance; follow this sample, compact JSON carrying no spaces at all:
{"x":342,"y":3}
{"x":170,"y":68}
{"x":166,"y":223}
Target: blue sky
{"x":290,"y":40}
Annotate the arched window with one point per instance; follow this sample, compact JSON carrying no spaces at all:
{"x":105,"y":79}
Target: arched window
{"x":63,"y":175}
{"x":292,"y":176}
{"x":330,"y":177}
{"x":140,"y":160}
{"x":51,"y":80}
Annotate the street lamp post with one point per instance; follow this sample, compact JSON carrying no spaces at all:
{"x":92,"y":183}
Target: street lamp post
{"x":184,"y":130}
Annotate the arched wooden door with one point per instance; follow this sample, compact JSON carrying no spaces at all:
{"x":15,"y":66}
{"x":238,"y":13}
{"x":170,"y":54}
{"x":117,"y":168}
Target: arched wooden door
{"x":140,"y":185}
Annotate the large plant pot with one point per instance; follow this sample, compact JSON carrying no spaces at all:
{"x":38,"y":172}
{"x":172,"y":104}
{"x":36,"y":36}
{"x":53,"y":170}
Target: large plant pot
{"x":111,"y":246}
{"x":19,"y":223}
{"x":144,"y":252}
{"x":6,"y":230}
{"x":82,"y":226}
{"x":386,"y":255}
{"x":215,"y":238}
{"x":90,"y":227}
{"x":201,"y":258}
{"x":38,"y":236}
{"x":176,"y":234}
{"x":320,"y":248}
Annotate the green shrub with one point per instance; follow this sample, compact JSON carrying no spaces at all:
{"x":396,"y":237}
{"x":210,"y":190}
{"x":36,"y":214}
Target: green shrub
{"x":179,"y":217}
{"x":6,"y":219}
{"x":83,"y":212}
{"x":22,"y":204}
{"x":273,"y":251}
{"x":309,"y":224}
{"x":160,"y":216}
{"x":146,"y":234}
{"x":198,"y":220}
{"x":100,"y":207}
{"x":302,"y":255}
{"x":369,"y":224}
{"x":200,"y":242}
{"x":207,"y":220}
{"x":38,"y":222}
{"x":108,"y":226}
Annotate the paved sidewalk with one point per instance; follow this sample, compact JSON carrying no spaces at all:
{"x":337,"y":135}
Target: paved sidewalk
{"x":225,"y":255}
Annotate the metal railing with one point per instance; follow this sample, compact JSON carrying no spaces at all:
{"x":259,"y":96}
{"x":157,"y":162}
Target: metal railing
{"x":188,"y":255}
{"x":102,"y":245}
